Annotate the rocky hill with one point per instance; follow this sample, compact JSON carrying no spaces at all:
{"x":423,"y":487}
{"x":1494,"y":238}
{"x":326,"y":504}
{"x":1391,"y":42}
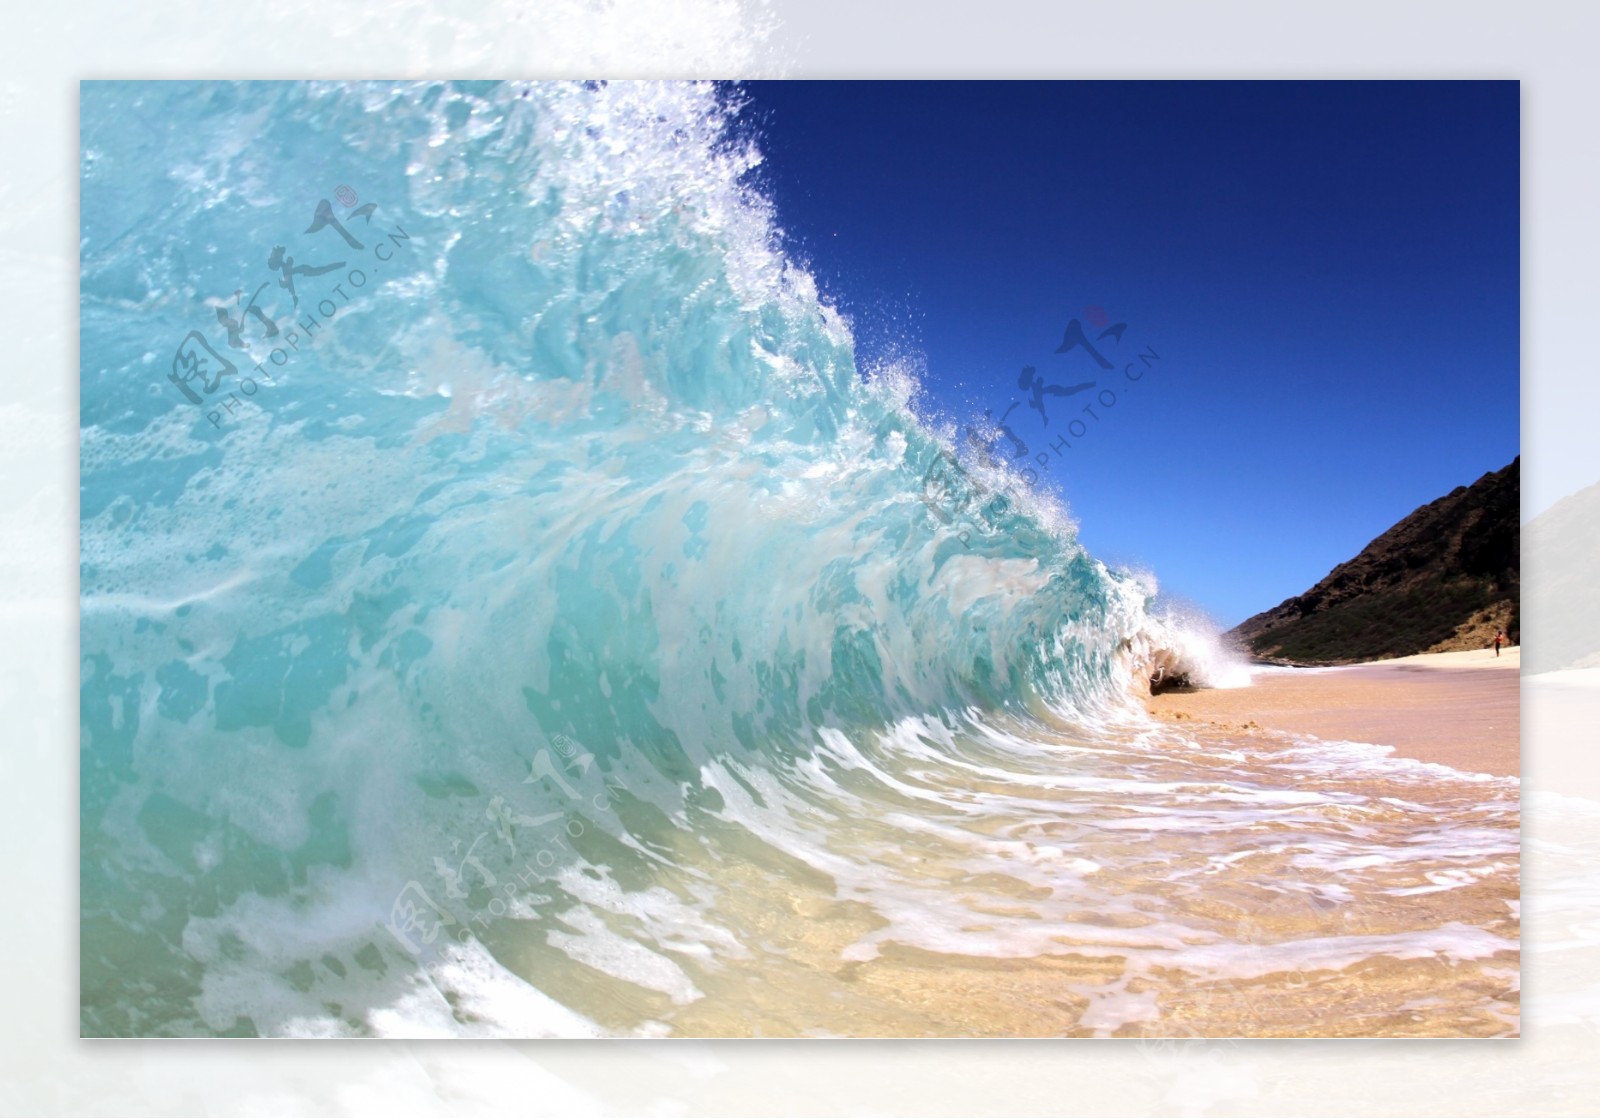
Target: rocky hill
{"x":1446,"y":577}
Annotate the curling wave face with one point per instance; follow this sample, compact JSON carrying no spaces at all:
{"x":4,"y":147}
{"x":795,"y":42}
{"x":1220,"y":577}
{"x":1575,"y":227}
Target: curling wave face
{"x":530,"y":610}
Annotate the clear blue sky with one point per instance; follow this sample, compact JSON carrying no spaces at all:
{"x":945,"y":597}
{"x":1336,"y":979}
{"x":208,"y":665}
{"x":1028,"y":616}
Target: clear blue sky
{"x":1329,"y":272}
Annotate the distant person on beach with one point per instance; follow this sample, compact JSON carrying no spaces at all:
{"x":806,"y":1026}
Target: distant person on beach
{"x":1499,"y":640}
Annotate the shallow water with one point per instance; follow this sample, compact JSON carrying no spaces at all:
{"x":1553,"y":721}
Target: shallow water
{"x":1150,"y":885}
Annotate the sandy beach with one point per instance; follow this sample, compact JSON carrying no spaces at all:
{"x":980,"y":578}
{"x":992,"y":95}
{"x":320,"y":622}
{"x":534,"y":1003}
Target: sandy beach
{"x":1460,"y":709}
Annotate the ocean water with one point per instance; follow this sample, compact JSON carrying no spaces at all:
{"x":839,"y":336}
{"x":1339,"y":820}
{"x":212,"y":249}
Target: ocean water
{"x":508,"y":610}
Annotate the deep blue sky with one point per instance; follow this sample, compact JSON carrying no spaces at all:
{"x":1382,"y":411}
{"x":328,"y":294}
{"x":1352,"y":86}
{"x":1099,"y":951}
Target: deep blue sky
{"x":1329,"y":272}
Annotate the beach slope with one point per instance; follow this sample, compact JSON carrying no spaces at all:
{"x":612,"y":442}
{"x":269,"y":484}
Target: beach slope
{"x":1460,"y":709}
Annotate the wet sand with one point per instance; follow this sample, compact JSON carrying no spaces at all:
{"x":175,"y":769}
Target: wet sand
{"x":1459,"y":709}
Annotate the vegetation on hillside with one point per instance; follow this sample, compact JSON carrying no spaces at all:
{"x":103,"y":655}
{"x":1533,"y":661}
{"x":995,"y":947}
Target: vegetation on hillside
{"x":1443,"y":576}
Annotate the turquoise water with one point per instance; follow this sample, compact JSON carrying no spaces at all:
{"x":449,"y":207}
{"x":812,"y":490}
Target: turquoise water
{"x":471,"y":634}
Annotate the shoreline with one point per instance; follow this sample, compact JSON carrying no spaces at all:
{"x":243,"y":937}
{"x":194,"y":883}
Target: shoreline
{"x":1460,"y":709}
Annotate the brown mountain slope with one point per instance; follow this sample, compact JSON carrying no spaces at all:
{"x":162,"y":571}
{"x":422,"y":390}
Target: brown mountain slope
{"x":1445,"y":577}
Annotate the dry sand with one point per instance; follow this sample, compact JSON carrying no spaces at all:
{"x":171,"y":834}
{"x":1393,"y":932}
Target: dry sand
{"x":1461,"y":709}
